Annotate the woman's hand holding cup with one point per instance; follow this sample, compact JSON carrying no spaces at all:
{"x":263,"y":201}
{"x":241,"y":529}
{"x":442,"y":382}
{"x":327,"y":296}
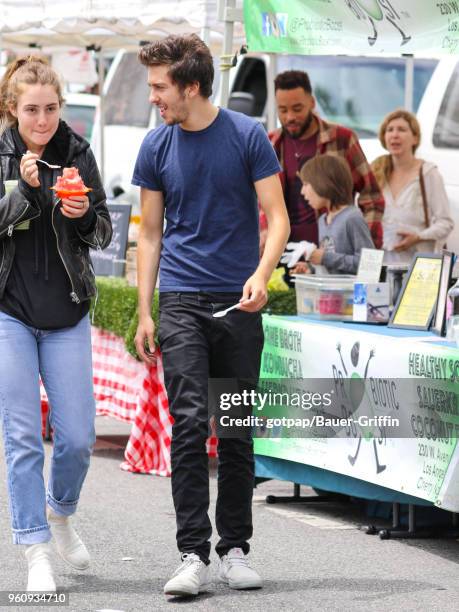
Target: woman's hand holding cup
{"x":75,"y":207}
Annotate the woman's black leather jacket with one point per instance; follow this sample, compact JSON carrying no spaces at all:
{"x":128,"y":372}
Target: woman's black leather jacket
{"x":23,"y":203}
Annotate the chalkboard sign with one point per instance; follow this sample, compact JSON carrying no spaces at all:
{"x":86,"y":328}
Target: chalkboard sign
{"x":109,"y":262}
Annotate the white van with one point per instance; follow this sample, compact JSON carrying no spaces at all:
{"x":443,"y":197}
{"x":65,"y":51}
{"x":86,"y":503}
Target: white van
{"x":438,"y":115}
{"x":128,"y":116}
{"x":359,"y":91}
{"x":354,"y":91}
{"x":80,"y":112}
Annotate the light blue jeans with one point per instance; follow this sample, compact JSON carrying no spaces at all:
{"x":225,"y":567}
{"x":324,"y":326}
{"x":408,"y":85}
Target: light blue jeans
{"x":63,"y":359}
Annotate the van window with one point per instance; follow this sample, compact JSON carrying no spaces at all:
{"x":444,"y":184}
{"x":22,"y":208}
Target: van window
{"x":80,"y":119}
{"x":446,"y":130}
{"x":126,"y":101}
{"x":359,"y":91}
{"x":251,"y":78}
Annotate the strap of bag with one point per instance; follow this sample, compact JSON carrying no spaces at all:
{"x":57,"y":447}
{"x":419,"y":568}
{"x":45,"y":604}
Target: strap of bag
{"x":424,"y":197}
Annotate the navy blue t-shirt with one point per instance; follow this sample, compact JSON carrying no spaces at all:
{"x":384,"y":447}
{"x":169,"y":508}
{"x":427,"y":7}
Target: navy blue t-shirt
{"x":211,"y":238}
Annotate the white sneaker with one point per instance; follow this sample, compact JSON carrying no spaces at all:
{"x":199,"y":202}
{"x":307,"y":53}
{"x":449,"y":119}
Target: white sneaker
{"x":40,"y":571}
{"x":236,"y":572}
{"x":191,"y":578}
{"x":68,"y":542}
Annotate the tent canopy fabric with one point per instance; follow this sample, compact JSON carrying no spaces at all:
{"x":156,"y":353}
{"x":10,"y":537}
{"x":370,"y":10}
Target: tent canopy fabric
{"x":106,"y":23}
{"x":110,"y":24}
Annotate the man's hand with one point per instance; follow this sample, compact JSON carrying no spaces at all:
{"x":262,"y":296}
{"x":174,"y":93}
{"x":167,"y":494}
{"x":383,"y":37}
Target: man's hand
{"x":145,"y":340}
{"x":408,"y":240}
{"x":254,"y":294}
{"x":29,"y":169}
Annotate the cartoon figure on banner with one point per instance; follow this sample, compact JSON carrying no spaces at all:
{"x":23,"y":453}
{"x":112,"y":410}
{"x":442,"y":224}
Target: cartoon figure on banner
{"x":356,"y":395}
{"x":377,"y":10}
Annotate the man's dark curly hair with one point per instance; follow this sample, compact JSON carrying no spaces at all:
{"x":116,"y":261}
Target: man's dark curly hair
{"x":189,"y":59}
{"x":291,"y":79}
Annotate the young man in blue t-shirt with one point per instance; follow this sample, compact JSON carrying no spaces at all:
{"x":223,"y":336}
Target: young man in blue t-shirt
{"x":203,"y":171}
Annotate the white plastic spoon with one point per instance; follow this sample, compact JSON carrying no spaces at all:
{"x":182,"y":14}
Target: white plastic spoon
{"x":42,"y":161}
{"x":222,"y":313}
{"x":52,"y":166}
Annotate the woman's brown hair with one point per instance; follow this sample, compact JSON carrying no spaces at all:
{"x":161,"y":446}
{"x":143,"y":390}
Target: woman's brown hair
{"x":31,"y":70}
{"x":383,"y":166}
{"x":330,"y":177}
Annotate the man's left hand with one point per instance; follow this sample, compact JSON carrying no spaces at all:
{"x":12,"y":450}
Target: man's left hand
{"x":254,"y":294}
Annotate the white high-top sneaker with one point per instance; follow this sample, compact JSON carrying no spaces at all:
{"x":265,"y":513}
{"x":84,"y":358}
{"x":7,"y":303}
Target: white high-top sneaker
{"x":190,"y":578}
{"x":236,"y":572}
{"x":40,"y":571}
{"x":68,"y":542}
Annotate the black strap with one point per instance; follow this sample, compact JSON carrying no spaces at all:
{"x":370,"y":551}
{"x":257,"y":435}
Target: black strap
{"x":424,"y":197}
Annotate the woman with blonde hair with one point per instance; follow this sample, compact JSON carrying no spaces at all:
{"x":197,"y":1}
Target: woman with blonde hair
{"x":417,"y":214}
{"x":46,"y":282}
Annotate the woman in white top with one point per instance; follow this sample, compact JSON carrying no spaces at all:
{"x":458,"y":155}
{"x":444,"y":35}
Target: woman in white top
{"x":417,"y":214}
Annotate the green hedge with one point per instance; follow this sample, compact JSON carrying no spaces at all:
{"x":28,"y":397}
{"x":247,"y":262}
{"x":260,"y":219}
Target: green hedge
{"x":116,"y":308}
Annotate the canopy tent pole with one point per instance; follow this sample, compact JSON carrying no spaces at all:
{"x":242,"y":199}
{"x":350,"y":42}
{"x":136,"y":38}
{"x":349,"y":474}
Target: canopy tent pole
{"x":409,"y":82}
{"x":101,"y":72}
{"x":271,"y":96}
{"x":205,"y":35}
{"x":227,"y":47}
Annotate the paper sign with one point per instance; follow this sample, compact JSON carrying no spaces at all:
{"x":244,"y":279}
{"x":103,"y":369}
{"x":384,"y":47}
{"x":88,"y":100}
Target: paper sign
{"x":370,"y":266}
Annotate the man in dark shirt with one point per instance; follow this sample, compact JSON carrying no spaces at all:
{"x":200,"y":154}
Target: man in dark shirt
{"x":209,"y":260}
{"x":302,"y":136}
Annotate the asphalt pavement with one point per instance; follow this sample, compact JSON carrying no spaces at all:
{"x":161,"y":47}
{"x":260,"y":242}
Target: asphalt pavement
{"x":312,"y":557}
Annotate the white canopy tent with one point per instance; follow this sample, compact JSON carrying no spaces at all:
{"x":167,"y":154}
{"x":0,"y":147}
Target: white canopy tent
{"x":106,"y":23}
{"x":110,"y":24}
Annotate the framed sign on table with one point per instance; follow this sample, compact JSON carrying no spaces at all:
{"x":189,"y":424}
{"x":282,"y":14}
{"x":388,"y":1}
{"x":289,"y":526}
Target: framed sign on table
{"x":418,"y":296}
{"x":439,"y":321}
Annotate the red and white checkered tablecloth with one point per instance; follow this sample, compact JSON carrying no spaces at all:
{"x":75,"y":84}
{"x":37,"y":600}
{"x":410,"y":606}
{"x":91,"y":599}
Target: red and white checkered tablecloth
{"x":118,"y":377}
{"x":129,"y":390}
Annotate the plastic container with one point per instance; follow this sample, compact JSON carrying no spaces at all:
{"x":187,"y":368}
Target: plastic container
{"x":325,"y":297}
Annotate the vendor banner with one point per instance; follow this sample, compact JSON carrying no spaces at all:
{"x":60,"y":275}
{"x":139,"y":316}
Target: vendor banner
{"x":387,"y":409}
{"x":359,"y":27}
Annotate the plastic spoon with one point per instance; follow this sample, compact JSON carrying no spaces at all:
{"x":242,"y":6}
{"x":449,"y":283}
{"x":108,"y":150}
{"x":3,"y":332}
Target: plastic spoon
{"x":222,"y":313}
{"x":52,"y":166}
{"x":42,"y":161}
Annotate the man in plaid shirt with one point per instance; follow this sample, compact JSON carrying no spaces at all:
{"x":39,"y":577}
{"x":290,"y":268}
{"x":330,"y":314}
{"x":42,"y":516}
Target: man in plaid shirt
{"x":302,"y":136}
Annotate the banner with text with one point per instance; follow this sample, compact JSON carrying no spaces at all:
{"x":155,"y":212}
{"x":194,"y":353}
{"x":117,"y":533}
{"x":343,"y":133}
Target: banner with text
{"x":421,"y":395}
{"x":359,"y":27}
